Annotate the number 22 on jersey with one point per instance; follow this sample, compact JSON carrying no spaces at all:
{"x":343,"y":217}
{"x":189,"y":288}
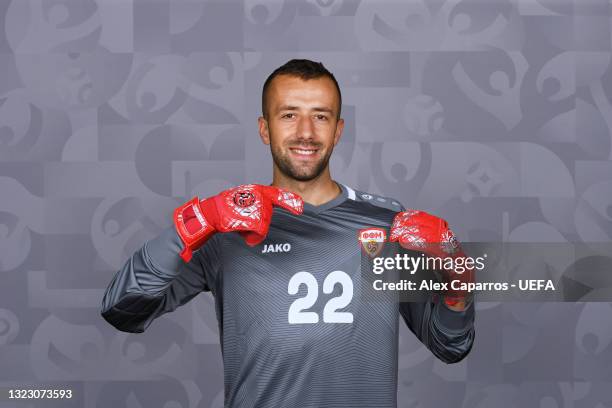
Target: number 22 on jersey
{"x":297,"y":313}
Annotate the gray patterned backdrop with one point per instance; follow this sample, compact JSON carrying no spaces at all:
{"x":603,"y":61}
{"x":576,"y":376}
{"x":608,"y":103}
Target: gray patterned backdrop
{"x":496,"y":115}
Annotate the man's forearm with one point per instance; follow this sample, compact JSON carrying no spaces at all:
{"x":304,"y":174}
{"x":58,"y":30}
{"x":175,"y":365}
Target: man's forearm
{"x":139,"y":291}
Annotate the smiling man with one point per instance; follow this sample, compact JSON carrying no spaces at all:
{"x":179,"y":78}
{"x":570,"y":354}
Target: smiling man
{"x":301,"y":123}
{"x":297,"y":328}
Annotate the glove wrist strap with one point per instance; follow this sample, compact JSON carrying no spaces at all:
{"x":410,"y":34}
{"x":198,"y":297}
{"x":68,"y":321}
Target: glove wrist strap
{"x":192,"y":227}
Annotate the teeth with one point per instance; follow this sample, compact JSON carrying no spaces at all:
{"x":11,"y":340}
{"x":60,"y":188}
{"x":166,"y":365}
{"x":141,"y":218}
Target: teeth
{"x":300,"y":151}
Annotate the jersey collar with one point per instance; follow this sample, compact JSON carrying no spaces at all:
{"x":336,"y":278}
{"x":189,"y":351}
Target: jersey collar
{"x":339,"y":199}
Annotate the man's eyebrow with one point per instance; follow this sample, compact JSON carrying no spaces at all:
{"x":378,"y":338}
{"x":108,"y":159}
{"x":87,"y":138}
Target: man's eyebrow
{"x":317,"y":109}
{"x":287,"y":107}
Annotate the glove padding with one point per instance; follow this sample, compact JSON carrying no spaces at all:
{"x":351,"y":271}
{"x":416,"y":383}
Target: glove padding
{"x":246,"y":208}
{"x":423,"y":232}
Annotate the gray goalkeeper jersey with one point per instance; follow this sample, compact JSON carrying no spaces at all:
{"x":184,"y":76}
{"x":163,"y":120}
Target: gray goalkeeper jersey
{"x":297,"y":326}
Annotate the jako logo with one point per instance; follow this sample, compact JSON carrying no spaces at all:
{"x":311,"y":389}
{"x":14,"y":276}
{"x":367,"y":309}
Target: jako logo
{"x":274,"y":248}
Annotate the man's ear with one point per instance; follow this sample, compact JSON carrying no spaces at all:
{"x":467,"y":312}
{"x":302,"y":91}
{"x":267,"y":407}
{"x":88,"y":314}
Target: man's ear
{"x":264,"y":132}
{"x":339,"y":130}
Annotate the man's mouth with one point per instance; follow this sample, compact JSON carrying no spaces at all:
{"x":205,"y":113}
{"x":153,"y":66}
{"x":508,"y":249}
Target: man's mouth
{"x":304,"y":151}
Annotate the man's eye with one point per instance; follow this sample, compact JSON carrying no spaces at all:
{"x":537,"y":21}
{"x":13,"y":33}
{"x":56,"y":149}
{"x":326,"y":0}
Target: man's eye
{"x":321,"y":117}
{"x":288,"y":115}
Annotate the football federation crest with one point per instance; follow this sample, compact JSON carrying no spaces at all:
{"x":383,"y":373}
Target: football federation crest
{"x":372,"y":240}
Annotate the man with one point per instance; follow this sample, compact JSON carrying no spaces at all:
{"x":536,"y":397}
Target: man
{"x":295,"y":326}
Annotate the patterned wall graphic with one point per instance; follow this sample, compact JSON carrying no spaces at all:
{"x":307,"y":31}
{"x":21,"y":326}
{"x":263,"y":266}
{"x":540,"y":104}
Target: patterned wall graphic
{"x":495,"y":114}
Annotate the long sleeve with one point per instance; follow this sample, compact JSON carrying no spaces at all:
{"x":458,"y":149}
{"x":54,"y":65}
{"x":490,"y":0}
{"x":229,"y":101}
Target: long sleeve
{"x":155,"y":280}
{"x":447,"y":333}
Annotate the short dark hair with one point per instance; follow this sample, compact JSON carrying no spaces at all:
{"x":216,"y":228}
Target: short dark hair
{"x":304,"y":69}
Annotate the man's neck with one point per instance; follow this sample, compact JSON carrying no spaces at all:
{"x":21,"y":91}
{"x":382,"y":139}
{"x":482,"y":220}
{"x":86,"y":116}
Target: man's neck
{"x":315,"y":192}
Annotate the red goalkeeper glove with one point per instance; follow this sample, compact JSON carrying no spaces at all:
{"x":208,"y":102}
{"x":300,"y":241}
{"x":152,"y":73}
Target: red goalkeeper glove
{"x":245,"y":208}
{"x":423,"y":232}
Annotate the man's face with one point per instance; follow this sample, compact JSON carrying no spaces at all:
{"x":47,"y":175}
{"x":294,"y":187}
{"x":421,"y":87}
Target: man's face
{"x":302,"y":126}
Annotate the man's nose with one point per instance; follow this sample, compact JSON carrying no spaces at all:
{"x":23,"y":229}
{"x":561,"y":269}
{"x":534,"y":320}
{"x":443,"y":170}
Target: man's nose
{"x":305,"y":127}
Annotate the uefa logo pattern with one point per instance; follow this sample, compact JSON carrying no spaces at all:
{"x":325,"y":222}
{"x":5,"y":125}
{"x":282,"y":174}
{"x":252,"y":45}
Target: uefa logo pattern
{"x":494,"y":114}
